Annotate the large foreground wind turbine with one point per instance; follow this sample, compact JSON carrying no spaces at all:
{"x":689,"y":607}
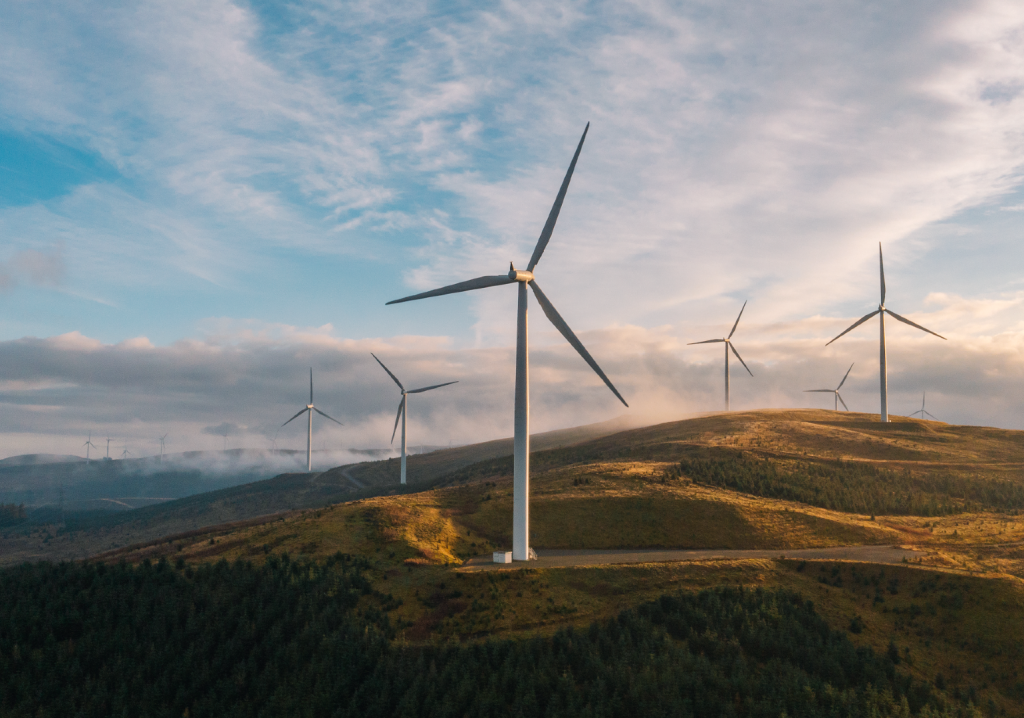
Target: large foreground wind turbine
{"x":922,"y":411}
{"x":87,"y":444}
{"x":403,"y":405}
{"x":835,"y":391}
{"x":881,"y":312}
{"x":521,"y":450}
{"x":310,"y":409}
{"x":728,"y":346}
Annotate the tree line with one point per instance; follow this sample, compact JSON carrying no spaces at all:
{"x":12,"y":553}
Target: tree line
{"x":851,"y":486}
{"x":11,"y":514}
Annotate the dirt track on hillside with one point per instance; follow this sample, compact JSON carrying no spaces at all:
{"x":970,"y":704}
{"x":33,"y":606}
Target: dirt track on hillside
{"x":566,"y":559}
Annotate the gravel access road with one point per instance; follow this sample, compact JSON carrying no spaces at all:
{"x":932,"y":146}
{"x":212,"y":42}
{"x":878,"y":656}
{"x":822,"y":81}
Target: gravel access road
{"x":565,"y":559}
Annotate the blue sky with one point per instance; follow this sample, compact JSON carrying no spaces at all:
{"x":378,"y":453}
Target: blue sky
{"x":239,"y":183}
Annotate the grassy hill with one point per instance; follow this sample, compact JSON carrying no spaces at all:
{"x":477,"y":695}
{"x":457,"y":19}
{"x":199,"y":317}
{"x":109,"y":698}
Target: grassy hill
{"x":85,"y":533}
{"x":767,"y":479}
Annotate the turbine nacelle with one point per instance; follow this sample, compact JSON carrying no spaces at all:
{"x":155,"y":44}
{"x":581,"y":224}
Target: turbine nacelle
{"x":518,"y":275}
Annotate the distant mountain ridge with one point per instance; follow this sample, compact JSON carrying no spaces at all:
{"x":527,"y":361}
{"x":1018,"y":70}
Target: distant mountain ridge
{"x":40,"y":459}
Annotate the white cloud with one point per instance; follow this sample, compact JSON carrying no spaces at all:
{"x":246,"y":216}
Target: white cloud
{"x":253,"y":380}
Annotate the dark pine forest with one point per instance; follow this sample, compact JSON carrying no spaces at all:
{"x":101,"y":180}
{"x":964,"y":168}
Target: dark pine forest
{"x":296,"y":638}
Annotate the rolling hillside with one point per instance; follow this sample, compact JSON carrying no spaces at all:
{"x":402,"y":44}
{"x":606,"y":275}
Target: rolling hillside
{"x":90,"y":531}
{"x":953,"y":617}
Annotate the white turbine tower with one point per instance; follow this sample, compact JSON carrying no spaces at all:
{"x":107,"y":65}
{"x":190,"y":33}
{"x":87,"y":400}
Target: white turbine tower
{"x":88,"y":443}
{"x":402,"y":407}
{"x":835,"y":391}
{"x":162,"y":440}
{"x":521,"y":452}
{"x":310,"y":409}
{"x":922,"y":411}
{"x":728,"y":346}
{"x":108,"y":447}
{"x":881,"y":312}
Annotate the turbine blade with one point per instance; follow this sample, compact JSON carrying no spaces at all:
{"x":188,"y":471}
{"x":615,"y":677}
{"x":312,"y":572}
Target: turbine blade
{"x":401,"y":405}
{"x":707,"y":341}
{"x":907,"y":321}
{"x":556,"y":319}
{"x":858,"y":323}
{"x":840,"y":396}
{"x":741,"y":359}
{"x":737,"y":321}
{"x":311,"y":385}
{"x":549,"y":226}
{"x":478,"y":283}
{"x":428,"y":388}
{"x":327,"y":417}
{"x":881,"y":273}
{"x":295,"y":417}
{"x":844,"y":378}
{"x":823,"y":391}
{"x":930,"y":414}
{"x":388,"y":371}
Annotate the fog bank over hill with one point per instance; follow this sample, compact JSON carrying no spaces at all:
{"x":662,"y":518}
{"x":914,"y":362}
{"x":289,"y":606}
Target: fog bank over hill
{"x":38,"y":481}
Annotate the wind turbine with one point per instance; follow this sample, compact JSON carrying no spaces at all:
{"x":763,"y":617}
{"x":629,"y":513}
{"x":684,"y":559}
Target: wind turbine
{"x":728,"y":346}
{"x":125,"y":454}
{"x":162,"y":439}
{"x":835,"y":391}
{"x":310,"y":409}
{"x":87,"y":444}
{"x":108,"y":447}
{"x":402,"y":413}
{"x":521,"y":447}
{"x":921,"y":411}
{"x":881,"y":312}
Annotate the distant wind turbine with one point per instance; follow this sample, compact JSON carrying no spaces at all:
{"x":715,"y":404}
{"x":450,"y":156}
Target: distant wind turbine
{"x":921,"y":411}
{"x":728,"y":346}
{"x":310,"y":409}
{"x":521,"y":446}
{"x":162,"y":439}
{"x":125,"y":454}
{"x":835,"y":391}
{"x":402,"y":407}
{"x":108,"y":447}
{"x":881,"y":312}
{"x":88,"y":443}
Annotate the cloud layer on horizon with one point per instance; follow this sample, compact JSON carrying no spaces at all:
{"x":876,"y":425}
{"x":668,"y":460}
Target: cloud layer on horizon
{"x":246,"y":383}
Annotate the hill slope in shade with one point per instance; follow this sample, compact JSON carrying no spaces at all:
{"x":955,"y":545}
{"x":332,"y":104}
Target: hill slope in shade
{"x":697,"y":483}
{"x":652,"y":488}
{"x":88,"y":532}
